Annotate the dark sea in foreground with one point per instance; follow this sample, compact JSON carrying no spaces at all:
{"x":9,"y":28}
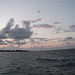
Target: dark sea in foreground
{"x":59,"y":62}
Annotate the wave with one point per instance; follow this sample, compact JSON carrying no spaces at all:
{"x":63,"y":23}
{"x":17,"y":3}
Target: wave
{"x":66,"y":65}
{"x":51,"y":60}
{"x":48,"y":60}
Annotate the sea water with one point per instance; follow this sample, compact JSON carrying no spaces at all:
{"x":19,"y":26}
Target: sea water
{"x":61,"y":62}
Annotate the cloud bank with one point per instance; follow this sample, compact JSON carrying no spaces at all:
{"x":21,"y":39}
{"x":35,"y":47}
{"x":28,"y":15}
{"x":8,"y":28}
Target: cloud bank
{"x":16,"y":32}
{"x":69,"y":39}
{"x":43,"y":26}
{"x":60,"y":29}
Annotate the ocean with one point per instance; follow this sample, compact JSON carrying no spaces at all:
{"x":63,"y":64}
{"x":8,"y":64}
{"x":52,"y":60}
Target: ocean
{"x":56,"y":62}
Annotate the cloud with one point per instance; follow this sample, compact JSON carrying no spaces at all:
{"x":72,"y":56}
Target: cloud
{"x":72,"y":28}
{"x":17,"y":42}
{"x":32,"y":40}
{"x":37,"y":40}
{"x":16,"y":32}
{"x":37,"y":20}
{"x":59,"y":29}
{"x":44,"y":39}
{"x":69,"y":39}
{"x":38,"y":11}
{"x":41,"y":39}
{"x":43,"y":26}
{"x":35,"y":33}
{"x":3,"y":42}
{"x":2,"y":36}
{"x":53,"y":39}
{"x":68,"y":43}
{"x":9,"y":42}
{"x":67,"y":30}
{"x":47,"y":40}
{"x":20,"y":33}
{"x":57,"y":22}
{"x":20,"y":43}
{"x":6,"y":30}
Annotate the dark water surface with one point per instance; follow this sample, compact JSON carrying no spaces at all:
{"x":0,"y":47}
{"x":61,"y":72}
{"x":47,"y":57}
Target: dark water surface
{"x":38,"y":63}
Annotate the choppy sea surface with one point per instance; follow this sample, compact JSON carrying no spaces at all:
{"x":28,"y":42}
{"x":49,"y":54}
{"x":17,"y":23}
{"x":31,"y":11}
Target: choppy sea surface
{"x":60,"y":62}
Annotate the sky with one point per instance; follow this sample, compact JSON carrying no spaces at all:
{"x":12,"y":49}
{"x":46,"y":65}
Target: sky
{"x":37,"y":24}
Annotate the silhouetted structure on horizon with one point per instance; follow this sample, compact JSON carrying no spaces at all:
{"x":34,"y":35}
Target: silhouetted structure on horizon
{"x":14,"y":50}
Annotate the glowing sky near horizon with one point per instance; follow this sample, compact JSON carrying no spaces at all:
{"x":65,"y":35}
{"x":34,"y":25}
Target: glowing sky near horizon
{"x":52,"y":23}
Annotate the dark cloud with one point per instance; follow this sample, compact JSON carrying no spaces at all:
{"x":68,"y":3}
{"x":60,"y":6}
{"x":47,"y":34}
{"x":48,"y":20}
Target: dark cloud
{"x":56,"y":39}
{"x":9,"y":42}
{"x":37,"y":20}
{"x":7,"y":29}
{"x":69,"y":39}
{"x":47,"y":39}
{"x":38,"y":11}
{"x":20,"y":43}
{"x":2,"y":35}
{"x":72,"y":28}
{"x":3,"y":42}
{"x":17,"y":42}
{"x":16,"y":32}
{"x":57,"y":22}
{"x":43,"y":26}
{"x":41,"y":39}
{"x":20,"y":33}
{"x":68,"y":43}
